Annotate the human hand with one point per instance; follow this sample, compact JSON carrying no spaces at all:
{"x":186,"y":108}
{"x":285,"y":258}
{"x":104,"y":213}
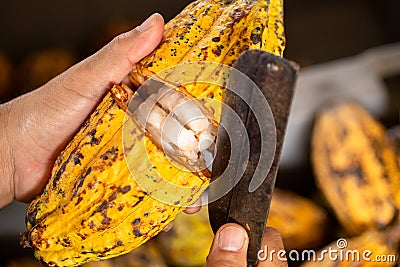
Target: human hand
{"x":229,"y":248}
{"x":37,"y":126}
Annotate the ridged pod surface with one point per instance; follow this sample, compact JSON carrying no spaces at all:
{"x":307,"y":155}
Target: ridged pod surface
{"x":146,"y":255}
{"x":356,"y":167}
{"x":216,"y":31}
{"x":92,"y":208}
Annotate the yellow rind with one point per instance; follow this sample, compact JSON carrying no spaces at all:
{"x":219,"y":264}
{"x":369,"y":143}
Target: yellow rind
{"x":86,"y":211}
{"x":146,"y":255}
{"x":95,"y":217}
{"x":356,"y":167}
{"x":295,"y":229}
{"x":78,"y":149}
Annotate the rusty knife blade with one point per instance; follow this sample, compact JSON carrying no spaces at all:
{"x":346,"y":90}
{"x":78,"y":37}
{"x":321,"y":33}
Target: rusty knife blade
{"x":272,"y":78}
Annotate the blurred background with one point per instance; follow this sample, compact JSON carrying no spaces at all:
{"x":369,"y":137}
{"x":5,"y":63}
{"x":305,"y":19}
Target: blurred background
{"x":347,"y":48}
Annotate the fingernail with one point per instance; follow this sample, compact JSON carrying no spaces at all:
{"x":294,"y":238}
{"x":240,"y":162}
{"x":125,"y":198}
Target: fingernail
{"x":231,"y":239}
{"x":168,"y":227}
{"x":147,"y":24}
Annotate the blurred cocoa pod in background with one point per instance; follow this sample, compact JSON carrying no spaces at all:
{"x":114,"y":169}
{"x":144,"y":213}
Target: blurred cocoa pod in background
{"x":41,"y":66}
{"x":6,"y":78}
{"x":308,"y":230}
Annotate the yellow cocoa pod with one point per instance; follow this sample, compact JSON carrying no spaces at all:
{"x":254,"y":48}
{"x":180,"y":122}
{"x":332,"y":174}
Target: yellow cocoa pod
{"x":143,"y":256}
{"x":307,"y":230}
{"x":188,"y":242}
{"x":41,"y":66}
{"x":356,"y":167}
{"x":93,"y":207}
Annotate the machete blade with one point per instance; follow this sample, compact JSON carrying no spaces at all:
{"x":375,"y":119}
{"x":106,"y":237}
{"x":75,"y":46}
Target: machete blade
{"x":268,"y":91}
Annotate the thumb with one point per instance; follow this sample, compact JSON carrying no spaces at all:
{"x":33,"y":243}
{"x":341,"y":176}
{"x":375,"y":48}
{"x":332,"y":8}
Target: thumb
{"x":229,"y":247}
{"x":56,"y":110}
{"x":42,"y":121}
{"x":93,"y":76}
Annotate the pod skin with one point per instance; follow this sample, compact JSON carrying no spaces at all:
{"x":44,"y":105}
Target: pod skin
{"x":92,"y":207}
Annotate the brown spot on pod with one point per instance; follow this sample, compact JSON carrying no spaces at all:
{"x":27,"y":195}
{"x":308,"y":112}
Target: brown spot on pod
{"x":162,"y":210}
{"x":92,"y":225}
{"x":93,"y":139}
{"x":78,"y":201}
{"x":83,"y":237}
{"x":82,"y":179}
{"x":124,"y":189}
{"x":102,"y":207}
{"x":66,"y":242}
{"x":110,"y":153}
{"x":31,"y":216}
{"x":255,"y":38}
{"x":137,"y":232}
{"x":106,"y":221}
{"x":77,"y":158}
{"x":237,"y":14}
{"x":217,"y":51}
{"x":62,"y":169}
{"x":88,"y":171}
{"x":112,"y":197}
{"x":136,"y":221}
